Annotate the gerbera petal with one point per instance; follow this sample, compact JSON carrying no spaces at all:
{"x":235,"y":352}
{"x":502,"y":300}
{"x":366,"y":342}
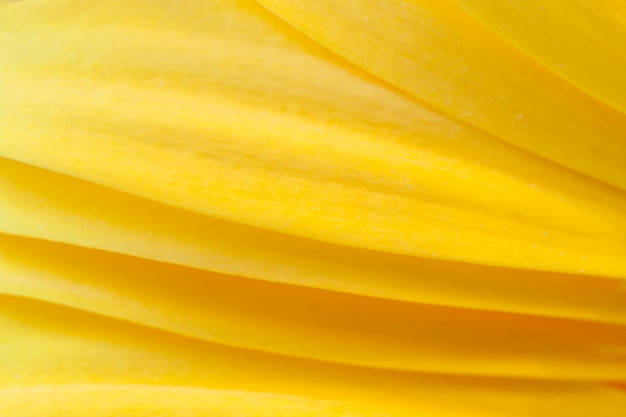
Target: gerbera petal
{"x":439,"y":54}
{"x":311,"y":323}
{"x":86,"y":349}
{"x":102,"y":400}
{"x":159,"y":107}
{"x":167,"y":168}
{"x":582,"y":41}
{"x":51,"y":206}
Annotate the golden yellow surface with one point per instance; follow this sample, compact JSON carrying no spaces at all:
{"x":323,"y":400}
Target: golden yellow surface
{"x":312,"y":208}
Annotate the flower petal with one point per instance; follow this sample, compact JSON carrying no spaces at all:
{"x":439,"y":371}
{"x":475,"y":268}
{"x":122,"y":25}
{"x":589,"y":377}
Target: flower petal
{"x":84,"y":349}
{"x":46,"y":205}
{"x":311,"y":323}
{"x":441,"y":55}
{"x":581,"y":41}
{"x":139,"y":104}
{"x":101,"y":400}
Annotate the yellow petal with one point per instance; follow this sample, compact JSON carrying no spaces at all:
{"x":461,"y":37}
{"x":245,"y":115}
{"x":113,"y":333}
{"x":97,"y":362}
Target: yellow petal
{"x":311,"y":323}
{"x":159,"y":106}
{"x":441,"y":55}
{"x":324,"y":165}
{"x":42,"y":204}
{"x":101,"y":400}
{"x":83,"y":349}
{"x":580,"y":41}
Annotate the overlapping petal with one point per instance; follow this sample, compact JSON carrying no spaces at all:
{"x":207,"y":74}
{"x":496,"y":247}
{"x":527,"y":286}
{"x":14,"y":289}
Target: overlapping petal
{"x":159,"y":106}
{"x":39,"y":203}
{"x":581,"y":41}
{"x":310,"y":323}
{"x":439,"y":54}
{"x":85,"y":349}
{"x":357,"y":208}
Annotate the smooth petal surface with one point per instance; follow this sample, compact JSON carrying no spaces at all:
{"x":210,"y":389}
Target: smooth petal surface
{"x":582,"y":41}
{"x":101,"y":400}
{"x":439,"y":54}
{"x":42,"y":204}
{"x":84,"y":349}
{"x":359,"y":208}
{"x":311,"y":323}
{"x":111,"y":95}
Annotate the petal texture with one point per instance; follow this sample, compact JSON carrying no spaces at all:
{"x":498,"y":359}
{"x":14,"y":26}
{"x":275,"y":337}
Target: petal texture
{"x":93,"y":96}
{"x":439,"y":54}
{"x":84,"y":349}
{"x":39,"y":203}
{"x":311,"y":323}
{"x":581,"y":41}
{"x":357,"y":208}
{"x":112,"y":400}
